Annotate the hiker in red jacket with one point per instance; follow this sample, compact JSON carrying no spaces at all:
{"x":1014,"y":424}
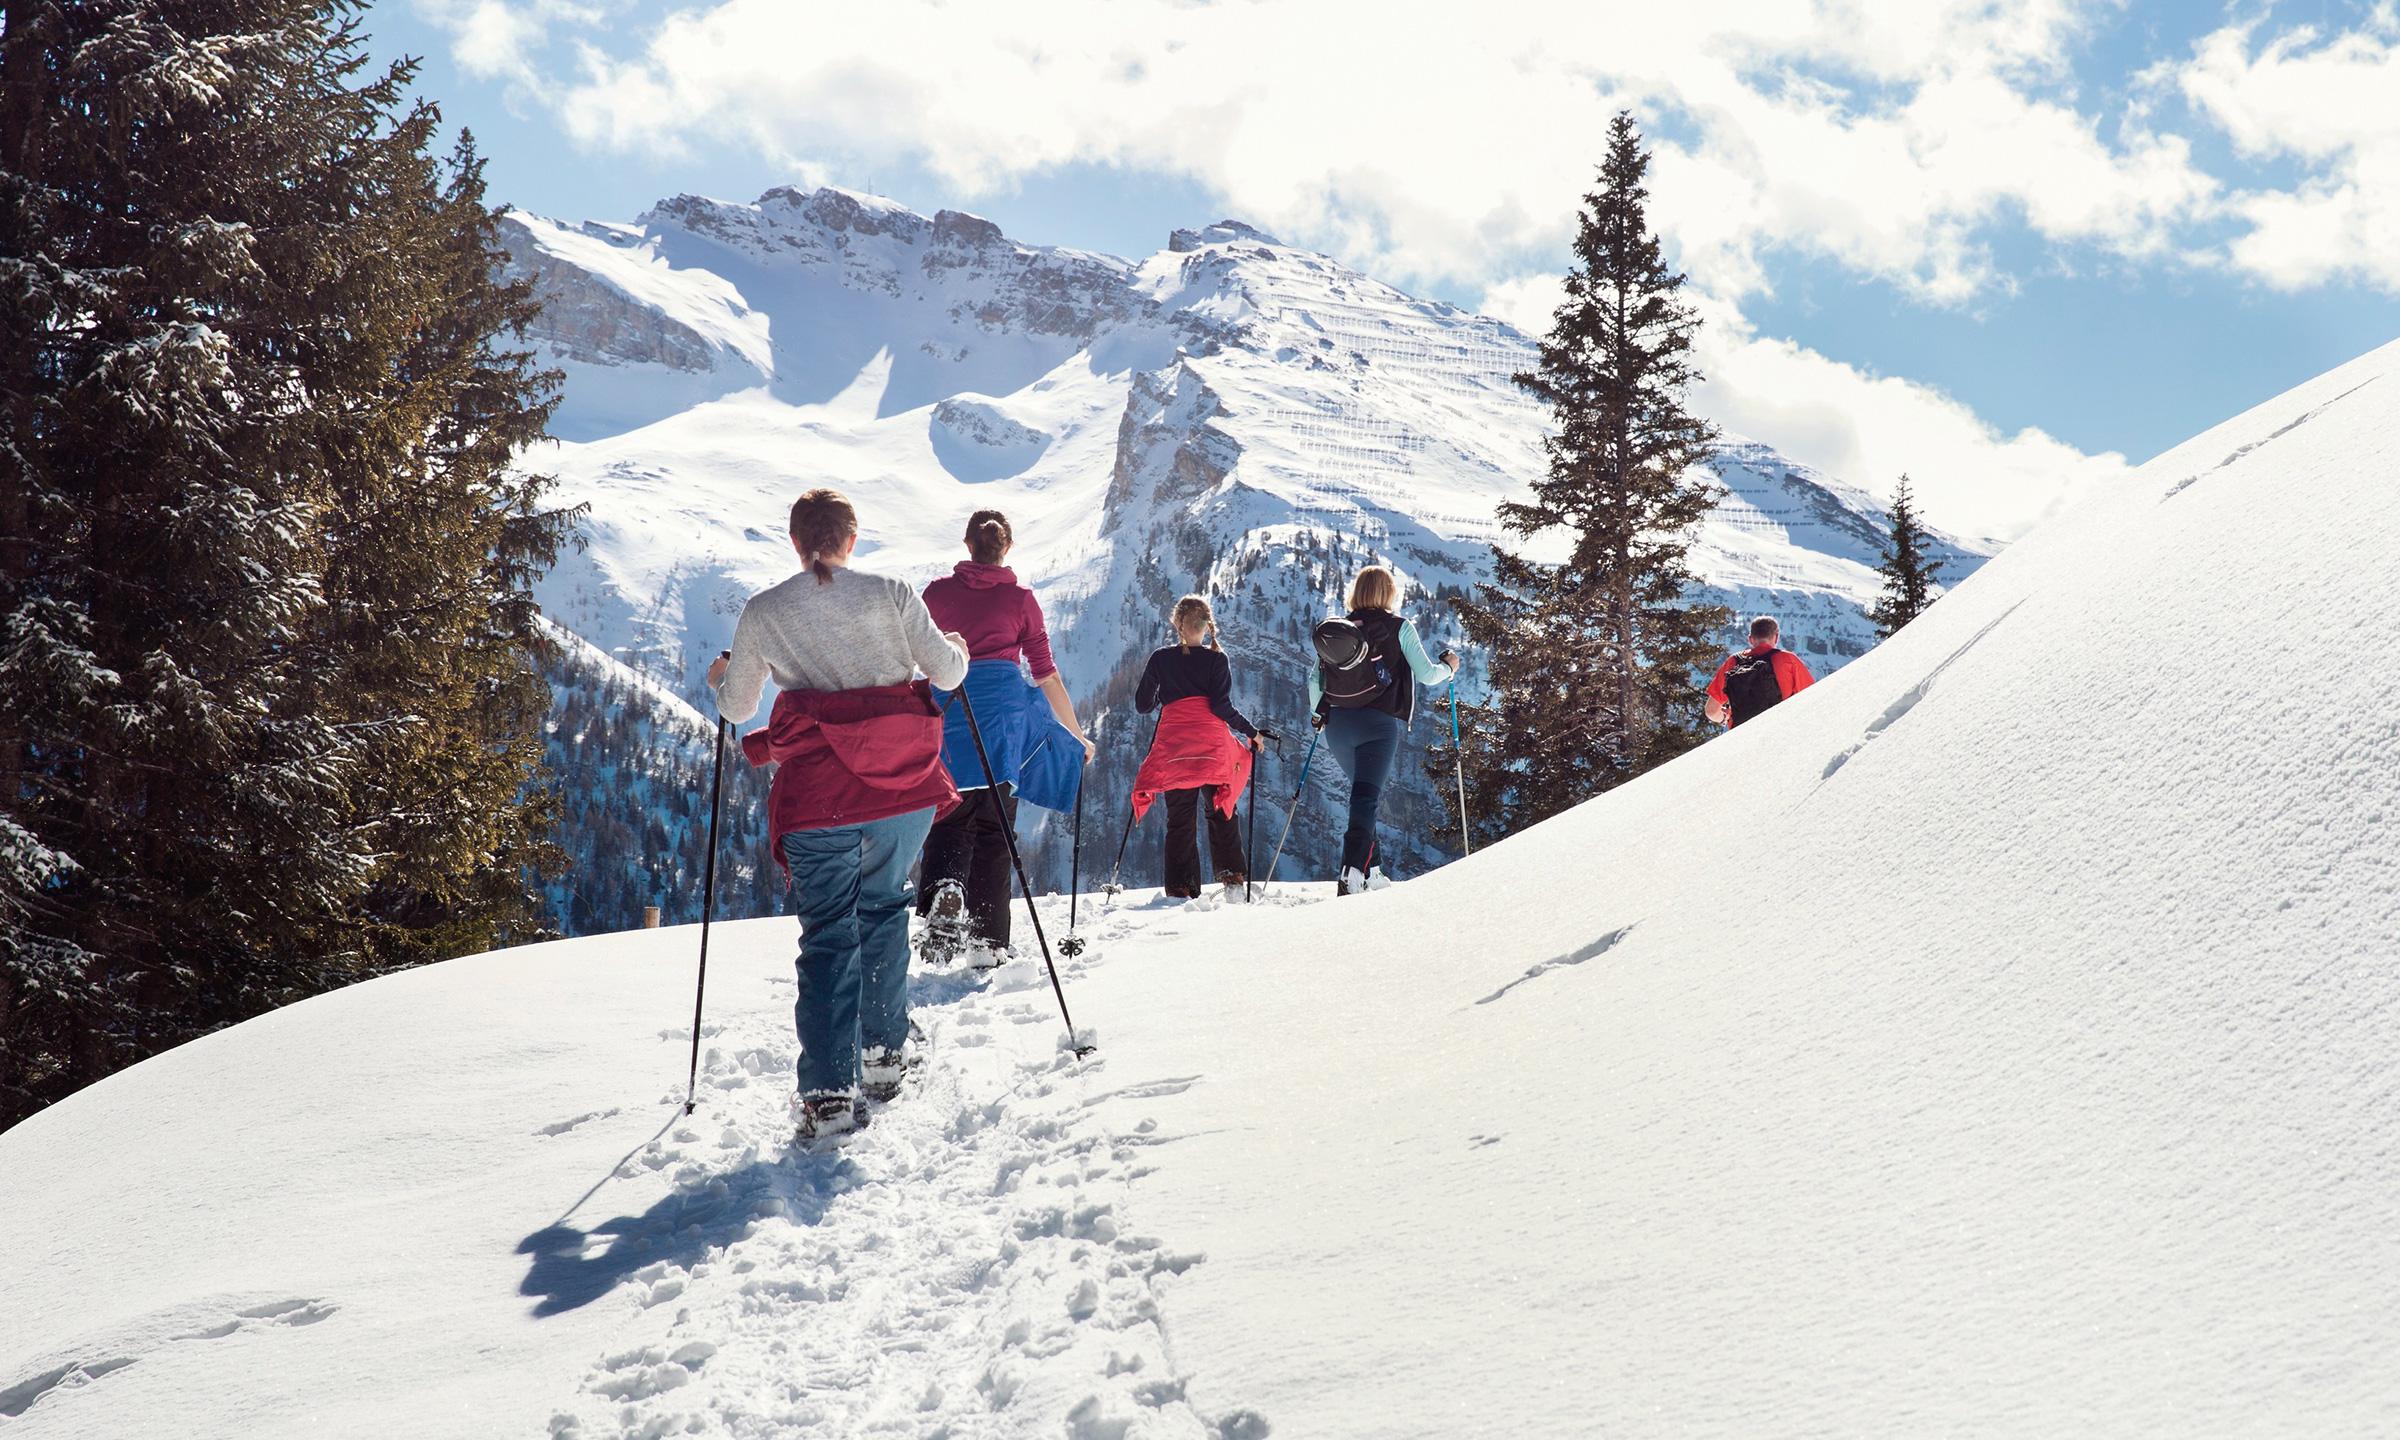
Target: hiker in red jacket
{"x":1757,"y":679}
{"x":858,"y":744}
{"x":1195,"y":759}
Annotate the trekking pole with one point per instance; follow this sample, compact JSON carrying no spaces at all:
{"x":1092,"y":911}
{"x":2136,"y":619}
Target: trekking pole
{"x":1009,"y":834}
{"x":1466,"y":846}
{"x":1250,"y":844}
{"x":1292,"y":811}
{"x":708,"y":912}
{"x":1072,"y":946}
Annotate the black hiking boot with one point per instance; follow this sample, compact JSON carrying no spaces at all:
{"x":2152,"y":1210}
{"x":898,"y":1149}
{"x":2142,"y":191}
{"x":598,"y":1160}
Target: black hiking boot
{"x":946,"y":931}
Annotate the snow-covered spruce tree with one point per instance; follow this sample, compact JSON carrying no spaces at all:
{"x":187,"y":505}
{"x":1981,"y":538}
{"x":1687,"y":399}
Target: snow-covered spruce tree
{"x":1595,"y":658}
{"x":432,"y":540}
{"x":235,"y":389}
{"x":1909,"y":574}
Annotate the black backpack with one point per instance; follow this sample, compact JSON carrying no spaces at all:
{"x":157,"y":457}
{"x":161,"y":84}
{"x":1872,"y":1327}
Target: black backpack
{"x":1354,"y":677}
{"x":1751,"y":688}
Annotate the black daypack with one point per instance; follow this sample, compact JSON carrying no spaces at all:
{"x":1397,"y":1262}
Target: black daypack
{"x":1353,"y":676}
{"x":1751,"y":688}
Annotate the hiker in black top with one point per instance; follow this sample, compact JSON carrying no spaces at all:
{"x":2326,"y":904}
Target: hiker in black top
{"x":1363,"y":708}
{"x":1179,"y":672}
{"x":1195,"y":668}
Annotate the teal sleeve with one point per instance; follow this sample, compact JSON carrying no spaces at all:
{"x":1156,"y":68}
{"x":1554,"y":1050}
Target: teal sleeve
{"x":1413,"y":649}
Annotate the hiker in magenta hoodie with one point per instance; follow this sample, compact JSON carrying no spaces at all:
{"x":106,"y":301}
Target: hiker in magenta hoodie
{"x":982,"y":601}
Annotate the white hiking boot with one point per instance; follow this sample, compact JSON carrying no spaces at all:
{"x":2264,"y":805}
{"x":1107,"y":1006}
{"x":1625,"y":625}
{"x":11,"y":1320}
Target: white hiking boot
{"x":880,"y":1073}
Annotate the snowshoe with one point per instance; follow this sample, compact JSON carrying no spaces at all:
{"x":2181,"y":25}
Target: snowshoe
{"x":825,"y":1117}
{"x":946,"y":932}
{"x":1357,"y":882}
{"x":881,"y":1071}
{"x":1234,"y":887}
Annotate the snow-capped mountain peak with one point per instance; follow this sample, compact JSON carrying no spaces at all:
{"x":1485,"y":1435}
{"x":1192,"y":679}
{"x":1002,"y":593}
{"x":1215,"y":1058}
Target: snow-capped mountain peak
{"x":1230,"y":415}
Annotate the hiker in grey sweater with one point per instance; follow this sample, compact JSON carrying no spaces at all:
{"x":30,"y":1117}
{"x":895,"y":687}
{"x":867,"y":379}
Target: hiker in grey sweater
{"x":843,"y":646}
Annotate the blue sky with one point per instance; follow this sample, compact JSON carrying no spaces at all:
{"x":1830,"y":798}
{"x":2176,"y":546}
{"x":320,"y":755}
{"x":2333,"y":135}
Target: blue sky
{"x":1994,"y":240}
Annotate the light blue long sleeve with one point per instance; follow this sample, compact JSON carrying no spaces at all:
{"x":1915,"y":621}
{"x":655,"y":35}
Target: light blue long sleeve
{"x":1428,"y":673}
{"x":1412,"y":649}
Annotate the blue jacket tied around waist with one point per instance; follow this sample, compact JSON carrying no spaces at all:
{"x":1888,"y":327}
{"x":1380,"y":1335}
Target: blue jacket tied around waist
{"x":1029,"y":748}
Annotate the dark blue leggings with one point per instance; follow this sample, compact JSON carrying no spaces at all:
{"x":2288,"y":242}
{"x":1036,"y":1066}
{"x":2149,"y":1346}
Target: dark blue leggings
{"x":1364,"y":743}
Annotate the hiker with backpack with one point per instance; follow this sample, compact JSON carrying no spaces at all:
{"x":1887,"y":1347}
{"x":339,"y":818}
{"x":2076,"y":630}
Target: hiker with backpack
{"x":1195,"y":761}
{"x":1037,"y":754}
{"x":1753,"y":681}
{"x":858,"y":743}
{"x":1359,"y":694}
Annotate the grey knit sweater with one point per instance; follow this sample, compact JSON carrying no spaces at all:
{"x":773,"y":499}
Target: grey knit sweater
{"x":858,"y":631}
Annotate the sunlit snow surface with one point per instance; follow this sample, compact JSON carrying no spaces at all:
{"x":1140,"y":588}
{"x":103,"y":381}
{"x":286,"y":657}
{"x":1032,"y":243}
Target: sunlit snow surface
{"x":2000,"y":1039}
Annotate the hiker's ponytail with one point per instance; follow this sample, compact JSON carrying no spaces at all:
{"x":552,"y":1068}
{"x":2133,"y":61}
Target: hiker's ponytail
{"x":823,"y":521}
{"x":989,"y":537}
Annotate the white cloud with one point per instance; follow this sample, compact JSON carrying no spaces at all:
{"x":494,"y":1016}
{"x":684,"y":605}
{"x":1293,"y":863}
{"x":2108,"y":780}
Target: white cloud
{"x":502,"y":39}
{"x":1972,"y":480}
{"x":1895,"y":140}
{"x":2332,"y":103}
{"x":1886,"y":137}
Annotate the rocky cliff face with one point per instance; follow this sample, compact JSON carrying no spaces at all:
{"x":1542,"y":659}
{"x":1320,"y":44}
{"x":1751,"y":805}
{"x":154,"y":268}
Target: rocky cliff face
{"x":1230,"y":416}
{"x":586,"y":319}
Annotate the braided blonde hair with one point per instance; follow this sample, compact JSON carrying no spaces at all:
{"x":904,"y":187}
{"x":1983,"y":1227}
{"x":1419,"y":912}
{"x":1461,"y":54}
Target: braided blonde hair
{"x":1193,"y":617}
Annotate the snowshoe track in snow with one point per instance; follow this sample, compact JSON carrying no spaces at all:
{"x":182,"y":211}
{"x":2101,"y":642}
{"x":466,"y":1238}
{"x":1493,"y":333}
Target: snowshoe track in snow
{"x":962,"y":1266}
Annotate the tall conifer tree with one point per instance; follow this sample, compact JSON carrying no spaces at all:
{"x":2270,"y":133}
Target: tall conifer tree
{"x":1909,"y":574}
{"x":265,"y":716}
{"x":1594,"y":657}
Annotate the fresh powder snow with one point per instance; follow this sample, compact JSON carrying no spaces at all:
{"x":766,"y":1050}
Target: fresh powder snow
{"x":1997,"y":1039}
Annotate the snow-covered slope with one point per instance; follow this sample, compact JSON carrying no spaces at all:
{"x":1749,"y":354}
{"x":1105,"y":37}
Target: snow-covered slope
{"x":1998,"y":1040}
{"x":1231,"y":415}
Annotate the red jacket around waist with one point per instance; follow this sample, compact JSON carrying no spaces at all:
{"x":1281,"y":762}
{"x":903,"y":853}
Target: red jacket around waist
{"x":850,"y":756}
{"x":1192,"y":749}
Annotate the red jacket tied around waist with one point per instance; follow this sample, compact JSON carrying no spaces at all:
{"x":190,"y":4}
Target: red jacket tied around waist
{"x":850,"y":756}
{"x":1193,"y":748}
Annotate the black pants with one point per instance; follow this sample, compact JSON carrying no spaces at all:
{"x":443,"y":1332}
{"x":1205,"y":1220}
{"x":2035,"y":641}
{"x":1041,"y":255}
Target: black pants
{"x":970,"y":845}
{"x":1183,"y":841}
